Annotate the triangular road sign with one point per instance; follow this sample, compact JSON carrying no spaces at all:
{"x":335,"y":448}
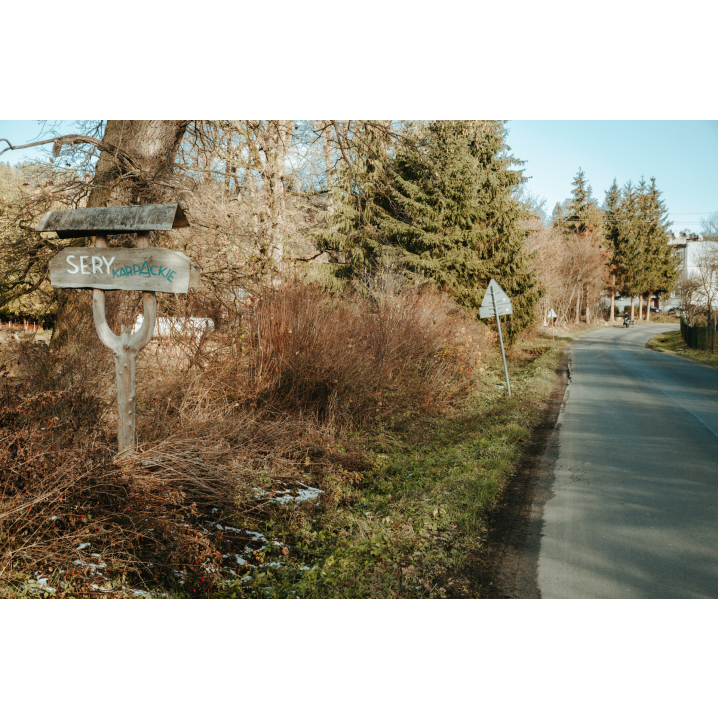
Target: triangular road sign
{"x":498,"y":294}
{"x":495,"y":302}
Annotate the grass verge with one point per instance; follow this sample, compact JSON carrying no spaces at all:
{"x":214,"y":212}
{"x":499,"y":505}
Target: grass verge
{"x":672,"y":343}
{"x":389,"y":509}
{"x":404,"y":527}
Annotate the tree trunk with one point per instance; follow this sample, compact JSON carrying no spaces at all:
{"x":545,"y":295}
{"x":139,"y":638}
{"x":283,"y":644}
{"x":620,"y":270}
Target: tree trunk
{"x":648,"y":307}
{"x":633,"y":299}
{"x":613,"y":299}
{"x":276,"y":143}
{"x":330,"y":169}
{"x":152,"y":145}
{"x":578,"y":304}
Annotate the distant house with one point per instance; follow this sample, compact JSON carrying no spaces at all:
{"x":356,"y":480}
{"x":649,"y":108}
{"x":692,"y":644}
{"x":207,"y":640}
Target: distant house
{"x":695,"y":254}
{"x":690,"y":248}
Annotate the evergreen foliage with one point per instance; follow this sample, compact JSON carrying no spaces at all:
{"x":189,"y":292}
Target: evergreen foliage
{"x":583,"y":215}
{"x":444,"y":208}
{"x":351,"y":233}
{"x":636,"y":229}
{"x":630,"y":242}
{"x":612,"y":232}
{"x":660,"y":267}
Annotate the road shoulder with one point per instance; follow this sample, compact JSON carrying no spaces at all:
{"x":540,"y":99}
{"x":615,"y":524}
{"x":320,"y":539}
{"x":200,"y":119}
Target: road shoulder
{"x":508,"y":567}
{"x":672,"y":343}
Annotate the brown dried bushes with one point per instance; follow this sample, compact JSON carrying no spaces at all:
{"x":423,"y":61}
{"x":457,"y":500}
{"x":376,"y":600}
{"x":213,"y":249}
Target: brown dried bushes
{"x":351,"y":360}
{"x":261,"y":399}
{"x":64,"y":501}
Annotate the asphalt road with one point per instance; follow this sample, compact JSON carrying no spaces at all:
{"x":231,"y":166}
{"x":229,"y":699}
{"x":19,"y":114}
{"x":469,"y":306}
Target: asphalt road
{"x":634,"y":511}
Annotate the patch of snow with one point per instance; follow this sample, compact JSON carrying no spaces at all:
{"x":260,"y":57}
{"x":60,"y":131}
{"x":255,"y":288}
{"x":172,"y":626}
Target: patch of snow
{"x":101,"y":588}
{"x":284,"y":496}
{"x":231,"y":528}
{"x":309,"y":493}
{"x":93,"y":566}
{"x":83,"y":545}
{"x":258,"y":536}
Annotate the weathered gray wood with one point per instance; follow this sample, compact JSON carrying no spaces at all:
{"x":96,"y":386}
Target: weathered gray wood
{"x":149,"y":269}
{"x":125,"y":349}
{"x":112,"y":220}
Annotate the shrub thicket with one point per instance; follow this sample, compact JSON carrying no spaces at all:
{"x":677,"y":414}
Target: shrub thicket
{"x":219,"y":416}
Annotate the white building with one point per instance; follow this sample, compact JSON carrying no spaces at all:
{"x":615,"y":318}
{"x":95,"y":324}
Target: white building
{"x":693,"y":253}
{"x":698,"y":261}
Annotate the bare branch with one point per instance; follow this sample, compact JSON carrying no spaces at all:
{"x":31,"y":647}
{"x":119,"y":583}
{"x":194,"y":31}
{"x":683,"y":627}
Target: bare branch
{"x":73,"y":140}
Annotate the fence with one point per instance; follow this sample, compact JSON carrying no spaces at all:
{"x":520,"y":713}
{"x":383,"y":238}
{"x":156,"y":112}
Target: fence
{"x":705,"y":338}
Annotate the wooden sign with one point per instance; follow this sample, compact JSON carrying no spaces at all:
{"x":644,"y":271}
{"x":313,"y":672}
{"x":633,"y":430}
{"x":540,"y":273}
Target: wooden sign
{"x":101,"y":268}
{"x":147,"y":269}
{"x":88,"y":221}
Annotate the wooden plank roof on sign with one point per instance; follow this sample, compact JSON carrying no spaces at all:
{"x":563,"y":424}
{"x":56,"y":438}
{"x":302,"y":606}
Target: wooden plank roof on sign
{"x":112,"y":220}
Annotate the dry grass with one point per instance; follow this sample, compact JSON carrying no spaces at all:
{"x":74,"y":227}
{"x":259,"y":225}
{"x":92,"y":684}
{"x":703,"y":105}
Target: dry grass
{"x":258,"y":405}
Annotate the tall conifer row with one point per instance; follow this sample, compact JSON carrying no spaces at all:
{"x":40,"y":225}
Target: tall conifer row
{"x":631,"y":246}
{"x":637,"y":232}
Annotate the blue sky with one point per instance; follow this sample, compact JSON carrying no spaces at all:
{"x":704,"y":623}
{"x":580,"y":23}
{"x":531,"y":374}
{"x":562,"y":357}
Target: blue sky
{"x":682,"y":155}
{"x":21,"y":132}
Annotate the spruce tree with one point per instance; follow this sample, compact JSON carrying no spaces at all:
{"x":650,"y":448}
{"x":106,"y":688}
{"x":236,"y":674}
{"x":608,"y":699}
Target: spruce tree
{"x":632,"y":254}
{"x":451,"y":210}
{"x":583,"y":213}
{"x":581,"y":227}
{"x":444,"y":209}
{"x":612,"y":234}
{"x":659,"y":265}
{"x":351,"y":231}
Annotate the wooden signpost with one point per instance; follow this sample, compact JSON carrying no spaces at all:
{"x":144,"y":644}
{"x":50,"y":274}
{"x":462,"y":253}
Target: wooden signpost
{"x":102,"y":268}
{"x":146,"y":270}
{"x":495,"y":304}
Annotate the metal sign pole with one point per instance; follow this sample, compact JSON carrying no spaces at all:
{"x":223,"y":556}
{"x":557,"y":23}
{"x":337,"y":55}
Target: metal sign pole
{"x":501,"y":339}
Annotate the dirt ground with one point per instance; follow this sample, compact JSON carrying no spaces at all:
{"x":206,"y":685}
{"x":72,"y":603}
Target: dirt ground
{"x":508,"y":566}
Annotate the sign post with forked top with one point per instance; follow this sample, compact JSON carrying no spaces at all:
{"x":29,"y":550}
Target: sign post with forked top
{"x":496,"y":303}
{"x":103,"y":268}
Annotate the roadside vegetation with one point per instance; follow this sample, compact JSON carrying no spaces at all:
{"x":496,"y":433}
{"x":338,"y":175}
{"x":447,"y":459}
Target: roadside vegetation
{"x":672,"y":343}
{"x":265,"y":468}
{"x":344,"y":429}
